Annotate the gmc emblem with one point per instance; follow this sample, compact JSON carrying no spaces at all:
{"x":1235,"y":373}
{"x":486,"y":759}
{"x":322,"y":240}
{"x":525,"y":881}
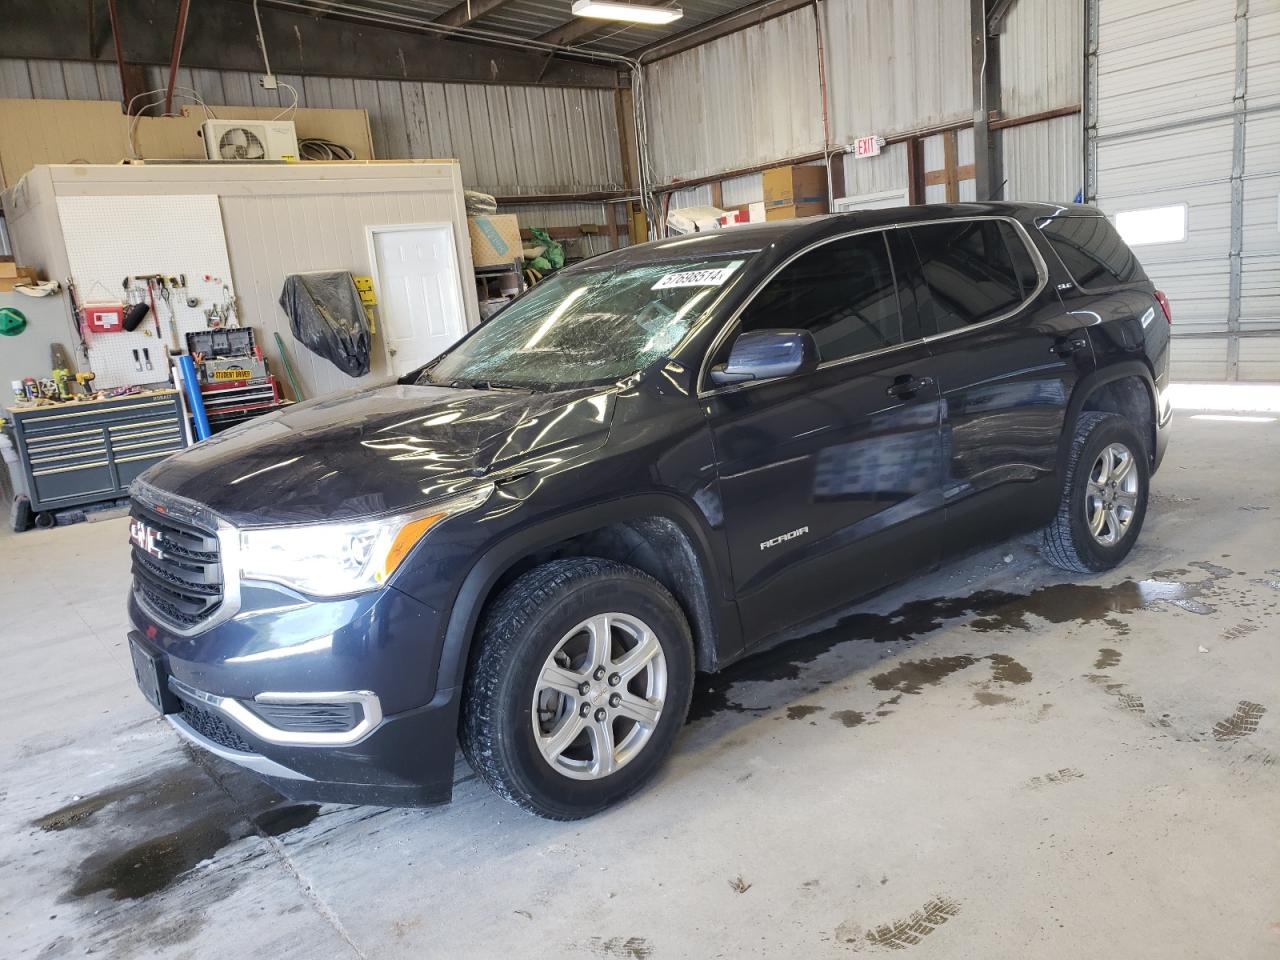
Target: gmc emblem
{"x":146,"y":538}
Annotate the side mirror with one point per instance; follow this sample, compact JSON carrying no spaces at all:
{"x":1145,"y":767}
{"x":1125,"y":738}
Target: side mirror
{"x":766,"y":354}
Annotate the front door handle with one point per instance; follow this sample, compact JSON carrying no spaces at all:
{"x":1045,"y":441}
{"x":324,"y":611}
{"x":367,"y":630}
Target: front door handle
{"x":908,"y":386}
{"x":1065,"y":348}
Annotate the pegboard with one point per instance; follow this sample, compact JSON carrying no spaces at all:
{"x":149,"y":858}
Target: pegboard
{"x":110,"y":238}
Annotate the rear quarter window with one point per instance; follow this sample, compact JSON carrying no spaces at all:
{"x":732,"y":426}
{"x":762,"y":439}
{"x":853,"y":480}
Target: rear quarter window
{"x":1092,"y":252}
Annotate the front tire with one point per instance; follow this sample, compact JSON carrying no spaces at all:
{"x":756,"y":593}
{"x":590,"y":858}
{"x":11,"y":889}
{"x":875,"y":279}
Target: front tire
{"x":1104,"y":496}
{"x":579,"y":685}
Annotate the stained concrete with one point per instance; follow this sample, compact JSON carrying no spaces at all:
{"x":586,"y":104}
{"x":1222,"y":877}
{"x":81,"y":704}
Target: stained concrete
{"x":992,"y":761}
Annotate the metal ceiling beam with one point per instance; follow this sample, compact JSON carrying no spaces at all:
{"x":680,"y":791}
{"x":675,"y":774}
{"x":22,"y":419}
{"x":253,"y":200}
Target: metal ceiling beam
{"x":221,"y":36}
{"x":179,"y":35}
{"x":468,"y":11}
{"x":132,"y":78}
{"x":575,"y":30}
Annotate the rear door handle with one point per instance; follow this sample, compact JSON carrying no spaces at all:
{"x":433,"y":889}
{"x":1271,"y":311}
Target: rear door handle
{"x":908,"y":386}
{"x":1068,"y":347}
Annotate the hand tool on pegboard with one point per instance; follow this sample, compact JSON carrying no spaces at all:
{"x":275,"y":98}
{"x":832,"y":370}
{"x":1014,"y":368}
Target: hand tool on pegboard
{"x":191,"y":299}
{"x":165,"y":295}
{"x":151,"y":299}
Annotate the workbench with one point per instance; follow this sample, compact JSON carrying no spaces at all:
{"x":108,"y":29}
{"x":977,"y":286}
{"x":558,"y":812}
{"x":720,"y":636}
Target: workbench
{"x":86,"y":451}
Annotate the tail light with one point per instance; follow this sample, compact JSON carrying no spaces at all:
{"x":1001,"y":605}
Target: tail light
{"x":1164,"y":305}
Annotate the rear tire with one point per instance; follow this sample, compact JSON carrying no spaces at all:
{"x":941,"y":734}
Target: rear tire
{"x":1104,"y":496}
{"x":578,"y":687}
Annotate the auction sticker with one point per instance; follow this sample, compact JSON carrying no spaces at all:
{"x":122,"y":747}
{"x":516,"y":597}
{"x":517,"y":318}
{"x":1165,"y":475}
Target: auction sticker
{"x":712,"y":277}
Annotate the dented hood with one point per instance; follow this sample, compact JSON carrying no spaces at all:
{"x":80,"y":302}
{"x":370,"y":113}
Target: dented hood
{"x":380,"y":449}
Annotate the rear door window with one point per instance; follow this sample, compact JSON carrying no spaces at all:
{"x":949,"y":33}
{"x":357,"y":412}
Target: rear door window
{"x":842,"y":292}
{"x":1092,"y":251}
{"x":974,"y":270}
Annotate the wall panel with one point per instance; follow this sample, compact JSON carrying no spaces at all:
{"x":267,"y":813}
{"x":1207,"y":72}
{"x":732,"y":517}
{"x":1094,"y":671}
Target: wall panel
{"x":1042,"y":56}
{"x":1044,"y":161}
{"x":895,"y":66}
{"x":744,"y":99}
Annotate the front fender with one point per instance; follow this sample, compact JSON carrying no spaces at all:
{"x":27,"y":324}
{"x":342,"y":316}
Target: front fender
{"x":477,"y":586}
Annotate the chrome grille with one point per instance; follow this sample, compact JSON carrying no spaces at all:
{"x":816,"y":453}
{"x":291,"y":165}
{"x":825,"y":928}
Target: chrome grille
{"x":181,"y":583}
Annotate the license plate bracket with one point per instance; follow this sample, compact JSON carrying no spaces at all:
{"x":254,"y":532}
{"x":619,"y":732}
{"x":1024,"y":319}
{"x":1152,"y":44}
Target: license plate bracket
{"x":149,"y":672}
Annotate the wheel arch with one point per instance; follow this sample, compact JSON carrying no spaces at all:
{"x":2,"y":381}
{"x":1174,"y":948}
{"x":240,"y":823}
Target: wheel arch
{"x":678,"y":555}
{"x":1126,"y":388}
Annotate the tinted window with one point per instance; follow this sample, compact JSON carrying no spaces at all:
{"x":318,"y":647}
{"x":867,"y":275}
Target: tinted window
{"x":975,"y":270}
{"x":1092,"y":251}
{"x":843,"y":293}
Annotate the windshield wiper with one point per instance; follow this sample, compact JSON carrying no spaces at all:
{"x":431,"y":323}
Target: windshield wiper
{"x":487,"y":385}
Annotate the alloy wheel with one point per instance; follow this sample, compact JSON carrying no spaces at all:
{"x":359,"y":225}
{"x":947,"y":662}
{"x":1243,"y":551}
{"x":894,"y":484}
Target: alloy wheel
{"x":599,"y":696}
{"x":1111,"y":498}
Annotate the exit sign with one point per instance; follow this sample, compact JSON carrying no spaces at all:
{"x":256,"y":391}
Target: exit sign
{"x":867,"y":147}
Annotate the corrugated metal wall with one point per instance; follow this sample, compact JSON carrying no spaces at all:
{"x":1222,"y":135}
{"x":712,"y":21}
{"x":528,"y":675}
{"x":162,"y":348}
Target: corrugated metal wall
{"x":745,"y":99}
{"x":894,"y":66}
{"x":754,"y":96}
{"x":1186,"y":103}
{"x":1041,"y":56}
{"x":1044,"y":161}
{"x":509,"y":140}
{"x":876,"y":174}
{"x":1042,"y":68}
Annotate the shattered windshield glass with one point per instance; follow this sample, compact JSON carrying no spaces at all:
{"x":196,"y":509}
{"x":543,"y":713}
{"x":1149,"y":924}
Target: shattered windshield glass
{"x":586,"y":327}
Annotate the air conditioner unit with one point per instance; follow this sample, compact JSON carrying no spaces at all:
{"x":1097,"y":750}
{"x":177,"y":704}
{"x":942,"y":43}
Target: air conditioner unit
{"x":250,"y":139}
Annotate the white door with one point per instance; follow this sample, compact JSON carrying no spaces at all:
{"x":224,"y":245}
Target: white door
{"x":419,"y":292}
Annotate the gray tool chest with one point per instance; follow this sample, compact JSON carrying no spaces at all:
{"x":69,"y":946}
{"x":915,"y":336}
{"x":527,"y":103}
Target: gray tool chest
{"x":83,"y":452}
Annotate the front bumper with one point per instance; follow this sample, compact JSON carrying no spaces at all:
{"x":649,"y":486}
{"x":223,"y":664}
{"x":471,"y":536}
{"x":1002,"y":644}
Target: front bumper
{"x":407,"y":760}
{"x":380,"y":649}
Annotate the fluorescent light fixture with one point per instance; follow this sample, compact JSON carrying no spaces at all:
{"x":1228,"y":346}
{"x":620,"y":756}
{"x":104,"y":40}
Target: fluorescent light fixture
{"x":629,"y":12}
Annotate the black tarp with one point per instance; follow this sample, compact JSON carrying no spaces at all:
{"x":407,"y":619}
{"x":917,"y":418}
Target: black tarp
{"x":326,"y":315}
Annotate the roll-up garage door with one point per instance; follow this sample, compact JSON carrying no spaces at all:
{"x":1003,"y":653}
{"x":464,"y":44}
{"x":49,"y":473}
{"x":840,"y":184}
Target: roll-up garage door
{"x":1183,"y":132}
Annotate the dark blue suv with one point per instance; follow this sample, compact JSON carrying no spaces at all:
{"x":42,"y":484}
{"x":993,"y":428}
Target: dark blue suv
{"x":655,"y":462}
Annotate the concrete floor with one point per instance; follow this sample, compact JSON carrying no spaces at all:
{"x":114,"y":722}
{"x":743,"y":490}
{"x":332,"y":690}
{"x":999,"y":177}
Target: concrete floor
{"x":1031,"y":768}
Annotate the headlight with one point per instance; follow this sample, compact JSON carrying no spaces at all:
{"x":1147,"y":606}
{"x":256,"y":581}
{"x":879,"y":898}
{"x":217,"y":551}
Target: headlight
{"x":337,"y":559}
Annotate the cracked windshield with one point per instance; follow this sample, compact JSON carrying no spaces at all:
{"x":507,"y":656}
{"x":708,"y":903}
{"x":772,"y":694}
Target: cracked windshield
{"x":586,"y":327}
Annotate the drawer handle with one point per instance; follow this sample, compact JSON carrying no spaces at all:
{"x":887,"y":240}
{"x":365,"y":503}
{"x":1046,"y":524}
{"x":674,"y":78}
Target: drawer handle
{"x":66,"y":456}
{"x":138,"y":424}
{"x":170,"y":431}
{"x":145,"y":443}
{"x":79,"y":466}
{"x":33,"y":452}
{"x":39,"y":438}
{"x":143,"y":456}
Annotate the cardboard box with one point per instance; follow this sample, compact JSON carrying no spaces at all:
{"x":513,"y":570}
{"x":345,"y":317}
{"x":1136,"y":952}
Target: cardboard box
{"x":791,"y":192}
{"x":19,"y":275}
{"x":795,"y":211}
{"x":495,"y":239}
